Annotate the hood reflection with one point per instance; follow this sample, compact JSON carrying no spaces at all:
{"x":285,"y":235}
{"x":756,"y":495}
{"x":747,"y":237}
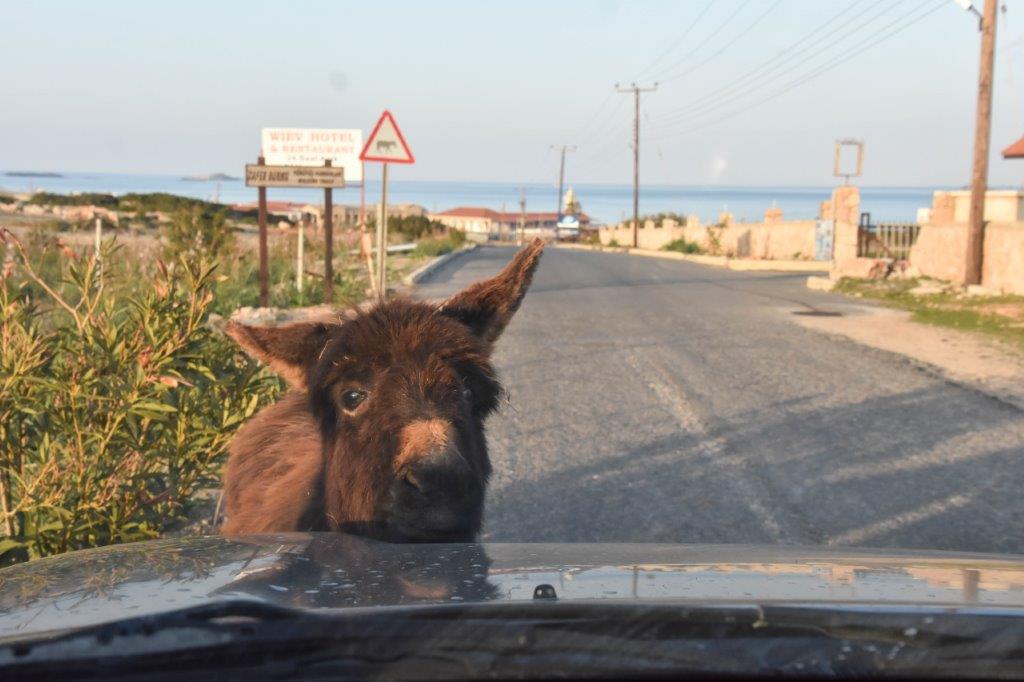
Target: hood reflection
{"x":333,"y":570}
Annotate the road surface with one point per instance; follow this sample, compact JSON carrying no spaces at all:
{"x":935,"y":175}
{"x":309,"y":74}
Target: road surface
{"x":664,"y":401}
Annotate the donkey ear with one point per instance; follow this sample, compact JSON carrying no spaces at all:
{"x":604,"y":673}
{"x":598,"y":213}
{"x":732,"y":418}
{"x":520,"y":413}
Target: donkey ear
{"x":290,"y":350}
{"x":486,"y":307}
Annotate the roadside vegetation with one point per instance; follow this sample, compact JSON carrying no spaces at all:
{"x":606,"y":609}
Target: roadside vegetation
{"x":1000,"y":317}
{"x":117,"y":399}
{"x":118,"y":396}
{"x":681,"y":245}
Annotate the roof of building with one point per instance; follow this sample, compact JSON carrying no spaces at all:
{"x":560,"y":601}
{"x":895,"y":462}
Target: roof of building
{"x":272,"y":206}
{"x":1015,"y":150}
{"x":507,"y":216}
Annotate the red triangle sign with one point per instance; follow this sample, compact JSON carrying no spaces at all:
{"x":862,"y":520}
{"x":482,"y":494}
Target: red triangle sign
{"x":386,"y":143}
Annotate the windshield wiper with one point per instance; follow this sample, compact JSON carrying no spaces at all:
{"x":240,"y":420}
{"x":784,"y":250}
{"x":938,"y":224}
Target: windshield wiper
{"x":256,"y":639}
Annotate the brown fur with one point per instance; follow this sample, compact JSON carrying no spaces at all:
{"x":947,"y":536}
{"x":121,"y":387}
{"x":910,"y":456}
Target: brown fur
{"x":410,"y":462}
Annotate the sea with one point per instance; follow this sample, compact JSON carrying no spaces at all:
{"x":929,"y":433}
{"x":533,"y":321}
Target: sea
{"x":604,"y":203}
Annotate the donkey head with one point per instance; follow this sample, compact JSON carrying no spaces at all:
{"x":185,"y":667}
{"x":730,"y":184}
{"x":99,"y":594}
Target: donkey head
{"x":400,"y":393}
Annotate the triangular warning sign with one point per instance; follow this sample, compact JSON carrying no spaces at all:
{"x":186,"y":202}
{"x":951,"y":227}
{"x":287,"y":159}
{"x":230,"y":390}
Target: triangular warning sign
{"x":386,"y":143}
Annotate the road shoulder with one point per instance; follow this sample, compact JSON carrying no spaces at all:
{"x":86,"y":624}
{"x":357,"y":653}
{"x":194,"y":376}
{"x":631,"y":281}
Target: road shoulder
{"x":967,"y":359}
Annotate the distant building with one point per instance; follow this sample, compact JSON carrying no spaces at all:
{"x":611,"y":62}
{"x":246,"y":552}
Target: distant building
{"x":483,"y":223}
{"x":345,"y":215}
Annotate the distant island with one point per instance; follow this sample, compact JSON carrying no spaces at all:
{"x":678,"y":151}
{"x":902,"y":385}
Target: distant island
{"x":32,"y":174}
{"x":212,"y":177}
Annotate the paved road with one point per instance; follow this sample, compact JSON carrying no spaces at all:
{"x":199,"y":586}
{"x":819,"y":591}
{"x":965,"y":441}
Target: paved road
{"x":654,"y":400}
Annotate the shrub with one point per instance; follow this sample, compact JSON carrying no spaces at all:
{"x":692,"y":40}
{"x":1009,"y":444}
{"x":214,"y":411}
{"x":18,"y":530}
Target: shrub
{"x":194,"y":232}
{"x":117,"y":402}
{"x":415,"y":227}
{"x":682,"y":246}
{"x":438,"y":246}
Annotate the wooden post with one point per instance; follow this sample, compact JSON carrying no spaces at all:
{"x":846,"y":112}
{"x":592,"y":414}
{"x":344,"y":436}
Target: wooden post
{"x":300,"y":248}
{"x":982,"y":128}
{"x":382,"y":237}
{"x":328,"y":242}
{"x":264,"y":263}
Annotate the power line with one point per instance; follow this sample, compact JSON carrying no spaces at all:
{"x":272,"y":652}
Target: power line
{"x":678,"y":41}
{"x":767,"y":65}
{"x":725,"y":47}
{"x":709,"y":38}
{"x":811,"y":75}
{"x":782,"y":69}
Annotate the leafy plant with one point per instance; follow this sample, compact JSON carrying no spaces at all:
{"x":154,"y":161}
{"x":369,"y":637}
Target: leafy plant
{"x":438,"y":246}
{"x":682,"y":246}
{"x":193,"y":232}
{"x":117,"y":401}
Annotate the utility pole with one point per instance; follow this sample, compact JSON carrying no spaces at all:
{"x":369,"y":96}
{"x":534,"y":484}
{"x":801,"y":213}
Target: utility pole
{"x":521,"y":232}
{"x":982,"y":135}
{"x":561,"y":173}
{"x":636,"y":90}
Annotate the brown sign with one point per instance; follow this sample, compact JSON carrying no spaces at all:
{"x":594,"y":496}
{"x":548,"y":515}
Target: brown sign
{"x":294,"y":176}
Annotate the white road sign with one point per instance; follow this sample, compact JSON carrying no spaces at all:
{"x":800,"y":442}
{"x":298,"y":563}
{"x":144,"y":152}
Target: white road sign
{"x":313,"y":146}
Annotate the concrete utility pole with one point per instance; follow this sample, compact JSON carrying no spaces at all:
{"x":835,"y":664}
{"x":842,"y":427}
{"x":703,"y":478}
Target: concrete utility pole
{"x":636,"y":90}
{"x":561,"y":173}
{"x":521,"y":232}
{"x":982,"y":135}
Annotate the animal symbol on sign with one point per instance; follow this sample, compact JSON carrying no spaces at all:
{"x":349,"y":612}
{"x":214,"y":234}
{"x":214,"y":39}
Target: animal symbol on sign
{"x":386,"y":144}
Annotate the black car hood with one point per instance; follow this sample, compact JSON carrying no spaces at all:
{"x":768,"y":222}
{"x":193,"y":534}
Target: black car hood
{"x":331,"y":571}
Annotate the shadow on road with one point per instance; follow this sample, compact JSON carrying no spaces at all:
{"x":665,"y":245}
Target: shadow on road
{"x":853,"y":474}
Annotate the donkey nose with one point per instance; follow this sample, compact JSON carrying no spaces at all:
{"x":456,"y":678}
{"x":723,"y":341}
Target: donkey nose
{"x":439,"y":473}
{"x":429,"y":461}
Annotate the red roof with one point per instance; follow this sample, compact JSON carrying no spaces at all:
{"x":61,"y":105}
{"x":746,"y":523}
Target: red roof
{"x":470,"y":212}
{"x":1015,"y":150}
{"x":272,"y":206}
{"x":507,"y":217}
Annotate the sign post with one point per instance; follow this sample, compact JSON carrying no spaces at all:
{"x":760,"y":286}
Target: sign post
{"x":311,"y":158}
{"x":328,"y":242}
{"x":262,"y":220}
{"x":385,"y":145}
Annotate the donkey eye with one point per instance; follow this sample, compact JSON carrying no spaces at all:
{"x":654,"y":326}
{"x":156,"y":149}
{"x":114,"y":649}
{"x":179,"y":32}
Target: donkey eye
{"x":352,"y":398}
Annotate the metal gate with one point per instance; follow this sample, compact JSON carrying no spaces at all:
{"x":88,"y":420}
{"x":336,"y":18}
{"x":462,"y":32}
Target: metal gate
{"x":885,"y":239}
{"x":823,"y":234}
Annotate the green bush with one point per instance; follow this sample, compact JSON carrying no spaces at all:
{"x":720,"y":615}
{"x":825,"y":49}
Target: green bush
{"x":415,"y":227}
{"x":438,"y":246}
{"x":117,"y":401}
{"x":682,"y":246}
{"x":82,"y":199}
{"x":193,"y":232}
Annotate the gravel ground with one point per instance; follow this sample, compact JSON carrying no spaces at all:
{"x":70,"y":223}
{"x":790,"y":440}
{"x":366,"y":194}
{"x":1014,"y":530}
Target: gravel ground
{"x":656,"y":400}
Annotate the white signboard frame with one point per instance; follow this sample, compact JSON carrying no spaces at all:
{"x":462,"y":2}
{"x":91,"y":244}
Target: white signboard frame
{"x":313,"y":146}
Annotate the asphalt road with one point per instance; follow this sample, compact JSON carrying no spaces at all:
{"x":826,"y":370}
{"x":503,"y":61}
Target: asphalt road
{"x":663,"y":401}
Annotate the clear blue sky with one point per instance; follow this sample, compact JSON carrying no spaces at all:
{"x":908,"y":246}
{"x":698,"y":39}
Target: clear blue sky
{"x":481,"y":89}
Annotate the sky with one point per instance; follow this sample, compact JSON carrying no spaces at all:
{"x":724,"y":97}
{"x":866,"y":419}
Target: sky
{"x":750,"y":92}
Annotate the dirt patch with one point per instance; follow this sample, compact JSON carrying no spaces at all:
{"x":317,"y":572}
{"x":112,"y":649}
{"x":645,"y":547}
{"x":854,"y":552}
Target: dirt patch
{"x":981,"y":362}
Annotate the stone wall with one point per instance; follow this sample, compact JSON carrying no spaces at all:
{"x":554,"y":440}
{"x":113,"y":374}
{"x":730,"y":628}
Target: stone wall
{"x":773,"y":239}
{"x":1003,"y":268}
{"x":649,"y":236}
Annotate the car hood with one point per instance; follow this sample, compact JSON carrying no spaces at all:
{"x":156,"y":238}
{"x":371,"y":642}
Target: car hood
{"x":325,"y":570}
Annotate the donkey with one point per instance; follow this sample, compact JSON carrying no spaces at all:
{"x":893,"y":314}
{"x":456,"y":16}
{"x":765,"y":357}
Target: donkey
{"x":382,"y":434}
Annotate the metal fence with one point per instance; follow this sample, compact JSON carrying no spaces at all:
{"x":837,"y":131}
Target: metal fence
{"x":885,"y":240}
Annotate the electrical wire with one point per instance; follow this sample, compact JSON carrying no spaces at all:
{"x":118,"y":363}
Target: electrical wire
{"x":817,"y":72}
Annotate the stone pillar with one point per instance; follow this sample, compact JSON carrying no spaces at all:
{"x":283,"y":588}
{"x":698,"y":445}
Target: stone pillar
{"x":846,"y":213}
{"x":773,"y":215}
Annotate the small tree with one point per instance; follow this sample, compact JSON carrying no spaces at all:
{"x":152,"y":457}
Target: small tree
{"x":196,"y":231}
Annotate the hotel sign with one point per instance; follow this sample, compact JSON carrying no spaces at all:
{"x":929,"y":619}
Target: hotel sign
{"x":314,"y":146}
{"x":293,"y":176}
